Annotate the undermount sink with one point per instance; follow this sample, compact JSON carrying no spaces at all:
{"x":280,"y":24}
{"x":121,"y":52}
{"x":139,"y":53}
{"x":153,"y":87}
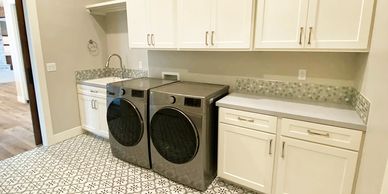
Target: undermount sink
{"x":106,"y":80}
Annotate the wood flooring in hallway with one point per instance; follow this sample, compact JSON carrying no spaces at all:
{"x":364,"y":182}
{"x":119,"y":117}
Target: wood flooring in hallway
{"x":16,"y":134}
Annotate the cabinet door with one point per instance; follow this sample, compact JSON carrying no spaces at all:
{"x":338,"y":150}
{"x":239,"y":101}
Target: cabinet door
{"x":341,"y":24}
{"x":194,"y":23}
{"x":163,"y":23}
{"x":89,"y":117}
{"x":281,"y":24}
{"x":246,"y":157}
{"x":306,"y":168}
{"x":103,"y":129}
{"x":138,"y":22}
{"x":232,"y":24}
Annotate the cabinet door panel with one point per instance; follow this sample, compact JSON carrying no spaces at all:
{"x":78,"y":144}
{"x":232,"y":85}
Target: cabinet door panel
{"x":341,"y":24}
{"x":313,"y":168}
{"x":232,"y":21}
{"x":138,"y":22}
{"x":89,"y":118}
{"x":194,"y":20}
{"x":279,"y":23}
{"x":103,"y":129}
{"x":163,"y":23}
{"x":246,"y":157}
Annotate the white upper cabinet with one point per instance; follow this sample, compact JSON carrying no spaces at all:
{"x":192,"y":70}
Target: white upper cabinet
{"x":152,"y":23}
{"x":313,"y":24}
{"x":280,"y":24}
{"x":194,"y":23}
{"x":138,"y":28}
{"x":232,"y":26}
{"x":222,"y":24}
{"x":306,"y":168}
{"x":163,"y":23}
{"x":341,"y":24}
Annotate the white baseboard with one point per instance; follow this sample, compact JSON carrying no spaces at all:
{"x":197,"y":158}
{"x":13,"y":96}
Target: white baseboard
{"x":21,"y":99}
{"x":68,"y":134}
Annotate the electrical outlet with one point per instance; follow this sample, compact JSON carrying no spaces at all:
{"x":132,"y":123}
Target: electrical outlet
{"x":140,"y":64}
{"x":51,"y":67}
{"x":302,"y":74}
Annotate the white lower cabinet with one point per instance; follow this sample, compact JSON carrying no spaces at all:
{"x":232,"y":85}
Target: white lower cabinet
{"x":246,"y":157}
{"x":310,"y":162}
{"x":306,"y":168}
{"x":89,"y":117}
{"x":93,"y":109}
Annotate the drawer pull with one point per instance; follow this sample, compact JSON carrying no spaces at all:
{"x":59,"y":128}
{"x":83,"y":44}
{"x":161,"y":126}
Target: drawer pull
{"x":246,"y":120}
{"x":270,"y":147}
{"x":320,"y":134}
{"x":284,"y":143}
{"x":93,"y":91}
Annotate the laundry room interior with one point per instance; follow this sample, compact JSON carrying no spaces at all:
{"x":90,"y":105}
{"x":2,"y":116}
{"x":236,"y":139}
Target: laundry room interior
{"x":184,"y":96}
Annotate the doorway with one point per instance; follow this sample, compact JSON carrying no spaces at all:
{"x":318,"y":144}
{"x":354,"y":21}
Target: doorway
{"x":19,"y":122}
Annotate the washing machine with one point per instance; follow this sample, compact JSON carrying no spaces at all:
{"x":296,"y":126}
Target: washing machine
{"x":183,"y":131}
{"x":127,"y":118}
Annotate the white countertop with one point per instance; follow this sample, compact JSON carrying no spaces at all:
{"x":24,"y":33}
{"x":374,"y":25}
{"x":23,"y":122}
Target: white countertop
{"x":335,"y":115}
{"x":102,"y":82}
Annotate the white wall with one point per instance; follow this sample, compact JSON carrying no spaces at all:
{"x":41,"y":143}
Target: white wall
{"x":374,"y":86}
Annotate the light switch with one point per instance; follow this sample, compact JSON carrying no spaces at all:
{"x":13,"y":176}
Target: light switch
{"x":51,"y":67}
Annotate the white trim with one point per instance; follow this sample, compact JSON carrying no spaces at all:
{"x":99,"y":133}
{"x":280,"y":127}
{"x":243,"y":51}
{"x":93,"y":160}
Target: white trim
{"x":38,"y":71}
{"x":21,"y":99}
{"x":67,"y":134}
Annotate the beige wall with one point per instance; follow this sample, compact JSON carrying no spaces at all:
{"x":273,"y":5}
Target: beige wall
{"x":117,"y":41}
{"x":65,"y":29}
{"x":225,"y":67}
{"x":374,"y":86}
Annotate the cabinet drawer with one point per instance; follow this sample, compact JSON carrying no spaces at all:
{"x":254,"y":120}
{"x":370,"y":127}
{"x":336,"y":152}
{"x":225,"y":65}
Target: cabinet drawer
{"x":248,"y":119}
{"x":324,"y":134}
{"x":91,"y":91}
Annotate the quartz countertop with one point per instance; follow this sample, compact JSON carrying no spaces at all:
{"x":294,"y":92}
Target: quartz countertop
{"x":329,"y":114}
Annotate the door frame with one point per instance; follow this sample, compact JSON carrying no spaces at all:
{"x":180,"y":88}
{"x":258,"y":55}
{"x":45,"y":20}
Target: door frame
{"x":25,"y":54}
{"x":31,"y":45}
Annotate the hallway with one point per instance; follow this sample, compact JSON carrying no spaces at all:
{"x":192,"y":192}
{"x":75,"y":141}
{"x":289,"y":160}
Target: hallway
{"x":16,"y":134}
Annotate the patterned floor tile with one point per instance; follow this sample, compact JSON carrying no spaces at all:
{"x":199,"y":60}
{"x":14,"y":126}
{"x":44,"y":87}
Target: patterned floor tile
{"x":84,"y":164}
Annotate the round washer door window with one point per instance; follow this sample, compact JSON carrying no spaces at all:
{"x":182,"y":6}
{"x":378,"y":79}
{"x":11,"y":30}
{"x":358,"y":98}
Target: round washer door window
{"x":125,"y":122}
{"x":174,"y":135}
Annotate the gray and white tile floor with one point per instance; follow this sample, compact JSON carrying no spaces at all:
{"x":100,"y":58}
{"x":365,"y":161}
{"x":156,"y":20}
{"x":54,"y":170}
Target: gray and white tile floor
{"x":84,"y":164}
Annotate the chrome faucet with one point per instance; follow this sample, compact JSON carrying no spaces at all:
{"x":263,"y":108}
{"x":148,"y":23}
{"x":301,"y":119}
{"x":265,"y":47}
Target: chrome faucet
{"x":121,"y":64}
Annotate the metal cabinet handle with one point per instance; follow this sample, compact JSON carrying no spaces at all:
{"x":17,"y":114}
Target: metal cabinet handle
{"x":284,"y":144}
{"x":246,"y":120}
{"x":212,"y":38}
{"x":270,"y":147}
{"x":311,"y":29}
{"x":95,"y":104}
{"x":320,"y":134}
{"x":93,"y":91}
{"x":300,"y":35}
{"x":148,"y":39}
{"x":153,"y":39}
{"x":206,"y":35}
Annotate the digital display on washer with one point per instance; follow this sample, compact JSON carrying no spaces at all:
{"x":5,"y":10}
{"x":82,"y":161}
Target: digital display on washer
{"x":193,"y":102}
{"x":137,"y":93}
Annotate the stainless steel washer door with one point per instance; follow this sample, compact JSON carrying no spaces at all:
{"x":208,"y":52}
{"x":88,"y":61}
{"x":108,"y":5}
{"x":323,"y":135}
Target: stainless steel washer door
{"x":125,"y":122}
{"x":174,"y":135}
